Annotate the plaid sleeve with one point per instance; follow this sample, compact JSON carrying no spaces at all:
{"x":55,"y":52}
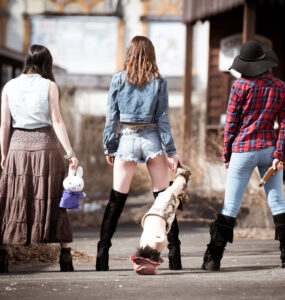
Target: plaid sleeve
{"x":280,"y":145}
{"x":232,"y":120}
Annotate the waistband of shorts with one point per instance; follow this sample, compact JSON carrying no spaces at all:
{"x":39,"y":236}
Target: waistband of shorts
{"x":136,"y":128}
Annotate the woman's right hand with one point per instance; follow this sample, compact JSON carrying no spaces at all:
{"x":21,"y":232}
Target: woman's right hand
{"x":3,"y":161}
{"x":110,"y":160}
{"x":277,"y":164}
{"x":73,"y":163}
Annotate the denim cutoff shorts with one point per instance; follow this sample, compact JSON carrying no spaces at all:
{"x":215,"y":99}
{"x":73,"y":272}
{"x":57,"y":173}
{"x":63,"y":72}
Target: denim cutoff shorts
{"x":139,"y":145}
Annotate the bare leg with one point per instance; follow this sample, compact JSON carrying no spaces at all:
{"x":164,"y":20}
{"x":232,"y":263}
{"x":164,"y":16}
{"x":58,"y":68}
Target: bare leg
{"x":123,"y":174}
{"x":158,"y":171}
{"x":64,"y":245}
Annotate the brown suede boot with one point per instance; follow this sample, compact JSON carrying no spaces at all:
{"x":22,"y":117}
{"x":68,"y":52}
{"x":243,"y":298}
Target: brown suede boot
{"x":279,"y":221}
{"x":221,"y":231}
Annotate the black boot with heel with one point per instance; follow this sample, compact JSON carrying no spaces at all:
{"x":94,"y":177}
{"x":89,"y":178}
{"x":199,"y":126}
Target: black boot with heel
{"x":174,"y":254}
{"x":221,"y":231}
{"x":109,"y":224}
{"x":65,"y":260}
{"x":4,"y":264}
{"x":279,"y":221}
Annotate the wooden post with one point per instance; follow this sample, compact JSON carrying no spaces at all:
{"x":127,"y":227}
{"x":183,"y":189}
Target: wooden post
{"x":3,"y":28}
{"x":145,"y":23}
{"x":3,"y":23}
{"x":120,"y":53}
{"x":145,"y":28}
{"x":249,"y":20}
{"x":27,"y":33}
{"x":3,"y":4}
{"x":187,"y":91}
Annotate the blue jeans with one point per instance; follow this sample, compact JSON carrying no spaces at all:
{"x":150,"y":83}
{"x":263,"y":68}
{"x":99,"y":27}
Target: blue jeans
{"x":240,"y":169}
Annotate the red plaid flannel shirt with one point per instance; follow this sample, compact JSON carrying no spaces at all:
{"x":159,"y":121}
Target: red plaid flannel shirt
{"x":254,"y":104}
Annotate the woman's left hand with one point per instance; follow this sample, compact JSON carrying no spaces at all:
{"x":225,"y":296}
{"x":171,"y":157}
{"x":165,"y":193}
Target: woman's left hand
{"x":173,"y":161}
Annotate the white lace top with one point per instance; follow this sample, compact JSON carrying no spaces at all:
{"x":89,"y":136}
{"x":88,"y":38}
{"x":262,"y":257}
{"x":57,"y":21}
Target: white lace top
{"x":28,"y":101}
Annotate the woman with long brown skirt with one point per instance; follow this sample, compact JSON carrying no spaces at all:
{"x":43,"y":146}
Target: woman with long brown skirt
{"x":33,"y":167}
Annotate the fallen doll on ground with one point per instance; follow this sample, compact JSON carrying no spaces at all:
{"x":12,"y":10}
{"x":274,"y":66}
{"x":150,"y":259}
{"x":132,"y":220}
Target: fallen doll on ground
{"x":157,"y":222}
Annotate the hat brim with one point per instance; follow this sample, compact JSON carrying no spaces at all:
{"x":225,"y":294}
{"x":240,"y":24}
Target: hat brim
{"x":255,"y":68}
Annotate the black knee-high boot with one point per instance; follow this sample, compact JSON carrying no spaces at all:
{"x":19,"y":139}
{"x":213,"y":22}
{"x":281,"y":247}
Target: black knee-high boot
{"x":109,"y":224}
{"x":279,"y":221}
{"x":4,"y":261}
{"x":174,"y":255}
{"x":221,"y":231}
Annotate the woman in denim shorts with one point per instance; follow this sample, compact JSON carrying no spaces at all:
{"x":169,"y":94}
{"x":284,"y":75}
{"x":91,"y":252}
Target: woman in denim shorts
{"x":138,"y":98}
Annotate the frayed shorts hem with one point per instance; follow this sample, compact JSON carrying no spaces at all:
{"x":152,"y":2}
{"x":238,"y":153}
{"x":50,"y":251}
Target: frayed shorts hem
{"x":140,"y":161}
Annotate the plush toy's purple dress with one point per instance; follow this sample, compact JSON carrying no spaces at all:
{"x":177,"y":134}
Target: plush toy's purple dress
{"x":70,"y":199}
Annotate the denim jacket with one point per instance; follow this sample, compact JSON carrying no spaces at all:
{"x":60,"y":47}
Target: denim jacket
{"x":132,"y":104}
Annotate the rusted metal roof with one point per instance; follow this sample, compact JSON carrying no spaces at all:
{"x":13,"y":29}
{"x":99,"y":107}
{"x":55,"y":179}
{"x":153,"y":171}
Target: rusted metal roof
{"x":195,"y":10}
{"x":12,"y":55}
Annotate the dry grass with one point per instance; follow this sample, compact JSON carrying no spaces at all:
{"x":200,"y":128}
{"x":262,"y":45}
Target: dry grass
{"x":42,"y":253}
{"x":33,"y":254}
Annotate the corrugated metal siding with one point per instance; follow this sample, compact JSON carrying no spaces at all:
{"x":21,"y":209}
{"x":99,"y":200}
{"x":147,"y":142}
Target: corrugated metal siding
{"x":195,"y":10}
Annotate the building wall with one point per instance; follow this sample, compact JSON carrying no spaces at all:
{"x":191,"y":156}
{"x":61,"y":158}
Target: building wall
{"x":15,"y":26}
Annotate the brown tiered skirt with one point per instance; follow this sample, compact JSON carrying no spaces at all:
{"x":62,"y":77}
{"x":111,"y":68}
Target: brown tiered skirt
{"x":31,"y":188}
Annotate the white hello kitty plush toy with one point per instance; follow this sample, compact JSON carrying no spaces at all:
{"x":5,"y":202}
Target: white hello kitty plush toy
{"x":73,"y":185}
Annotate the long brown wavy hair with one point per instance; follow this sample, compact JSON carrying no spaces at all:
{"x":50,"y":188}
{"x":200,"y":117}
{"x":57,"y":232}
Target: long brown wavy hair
{"x":140,"y":63}
{"x":39,"y":60}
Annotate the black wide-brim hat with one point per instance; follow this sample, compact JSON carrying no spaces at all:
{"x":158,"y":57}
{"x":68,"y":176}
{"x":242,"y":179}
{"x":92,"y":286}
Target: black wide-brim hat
{"x":253,"y":60}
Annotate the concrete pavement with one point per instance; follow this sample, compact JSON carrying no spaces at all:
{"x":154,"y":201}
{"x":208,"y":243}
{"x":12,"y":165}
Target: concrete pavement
{"x":250,"y":270}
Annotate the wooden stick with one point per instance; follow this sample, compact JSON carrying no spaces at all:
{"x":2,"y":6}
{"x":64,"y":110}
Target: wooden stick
{"x":269,"y":172}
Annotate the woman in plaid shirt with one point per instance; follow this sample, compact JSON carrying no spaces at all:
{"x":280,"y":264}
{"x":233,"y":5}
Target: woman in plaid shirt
{"x":257,"y":99}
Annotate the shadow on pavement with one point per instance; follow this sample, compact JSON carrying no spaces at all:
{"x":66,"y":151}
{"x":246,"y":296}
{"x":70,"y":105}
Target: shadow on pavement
{"x":224,"y":270}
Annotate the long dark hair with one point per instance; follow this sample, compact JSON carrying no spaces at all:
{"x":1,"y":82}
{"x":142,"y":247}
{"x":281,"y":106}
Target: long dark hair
{"x":39,"y":60}
{"x":140,"y":62}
